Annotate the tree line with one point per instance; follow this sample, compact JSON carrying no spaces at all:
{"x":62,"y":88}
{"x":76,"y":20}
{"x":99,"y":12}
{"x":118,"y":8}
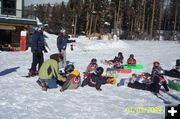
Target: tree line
{"x":128,"y":19}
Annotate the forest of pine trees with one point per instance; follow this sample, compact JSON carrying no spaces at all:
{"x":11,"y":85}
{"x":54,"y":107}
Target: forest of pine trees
{"x":128,"y":19}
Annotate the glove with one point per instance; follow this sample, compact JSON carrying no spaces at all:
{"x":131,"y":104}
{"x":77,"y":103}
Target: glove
{"x":45,"y":50}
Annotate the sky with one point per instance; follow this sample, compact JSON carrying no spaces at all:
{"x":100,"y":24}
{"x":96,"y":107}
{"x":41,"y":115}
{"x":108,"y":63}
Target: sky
{"x":28,"y":2}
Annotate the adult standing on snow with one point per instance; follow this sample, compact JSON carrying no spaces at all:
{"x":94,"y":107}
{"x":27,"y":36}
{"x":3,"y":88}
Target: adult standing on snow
{"x":37,"y":44}
{"x":62,"y":41}
{"x":96,"y":79}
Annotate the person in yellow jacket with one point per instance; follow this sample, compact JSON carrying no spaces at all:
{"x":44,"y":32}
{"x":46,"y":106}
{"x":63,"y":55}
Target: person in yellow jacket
{"x":73,"y":79}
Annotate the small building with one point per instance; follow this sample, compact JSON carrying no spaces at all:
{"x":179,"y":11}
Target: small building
{"x":14,"y":19}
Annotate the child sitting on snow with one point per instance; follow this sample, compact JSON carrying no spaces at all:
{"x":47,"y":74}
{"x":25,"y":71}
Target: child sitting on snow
{"x":118,"y":59}
{"x":177,"y":66}
{"x":153,"y":87}
{"x":96,"y":79}
{"x":131,"y":59}
{"x":92,"y":66}
{"x":175,"y":72}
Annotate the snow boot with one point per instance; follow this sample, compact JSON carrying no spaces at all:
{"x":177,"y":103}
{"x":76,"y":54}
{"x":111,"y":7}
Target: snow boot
{"x":123,"y":82}
{"x":39,"y":83}
{"x":44,"y":86}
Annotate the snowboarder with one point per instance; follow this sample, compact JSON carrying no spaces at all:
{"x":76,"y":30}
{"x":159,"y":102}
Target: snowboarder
{"x":131,"y":59}
{"x":49,"y":73}
{"x":37,"y":44}
{"x":62,"y":41}
{"x":96,"y":79}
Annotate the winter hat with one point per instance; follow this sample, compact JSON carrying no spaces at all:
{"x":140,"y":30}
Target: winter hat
{"x":93,"y":60}
{"x":62,"y":31}
{"x":120,"y":54}
{"x":131,"y":56}
{"x":156,"y":64}
{"x":69,"y":68}
{"x":99,"y":71}
{"x":178,"y":62}
{"x":55,"y":57}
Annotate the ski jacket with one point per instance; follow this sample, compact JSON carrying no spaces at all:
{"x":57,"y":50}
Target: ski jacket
{"x":176,"y":67}
{"x":94,"y":80}
{"x":37,"y":42}
{"x":62,"y":42}
{"x":118,"y":59}
{"x":49,"y":70}
{"x":73,"y":80}
{"x":157,"y":71}
{"x":131,"y":61}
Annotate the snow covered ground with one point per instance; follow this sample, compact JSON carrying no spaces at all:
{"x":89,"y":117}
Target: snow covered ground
{"x":22,"y":98}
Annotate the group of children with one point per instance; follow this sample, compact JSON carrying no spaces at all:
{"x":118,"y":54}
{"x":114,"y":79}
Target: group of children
{"x":151,"y":82}
{"x":69,"y":78}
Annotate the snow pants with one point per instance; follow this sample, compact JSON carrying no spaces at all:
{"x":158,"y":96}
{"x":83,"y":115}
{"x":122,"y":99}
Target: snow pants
{"x":38,"y":59}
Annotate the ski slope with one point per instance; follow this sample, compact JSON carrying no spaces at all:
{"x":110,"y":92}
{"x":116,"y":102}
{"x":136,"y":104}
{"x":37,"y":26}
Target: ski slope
{"x":22,"y":98}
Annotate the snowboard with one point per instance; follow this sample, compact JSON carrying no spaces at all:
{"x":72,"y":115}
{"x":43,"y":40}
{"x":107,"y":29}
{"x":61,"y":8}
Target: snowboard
{"x":133,"y":66}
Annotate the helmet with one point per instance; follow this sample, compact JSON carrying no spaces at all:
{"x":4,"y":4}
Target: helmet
{"x":93,"y":60}
{"x":131,"y":56}
{"x":99,"y":71}
{"x":63,"y":31}
{"x":156,"y":64}
{"x":120,"y":54}
{"x":38,"y":29}
{"x":69,"y":68}
{"x":178,"y":62}
{"x":134,"y":75}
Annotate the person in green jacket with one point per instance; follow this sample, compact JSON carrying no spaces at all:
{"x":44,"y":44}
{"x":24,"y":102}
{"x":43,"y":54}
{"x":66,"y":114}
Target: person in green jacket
{"x":49,"y":73}
{"x":50,"y":76}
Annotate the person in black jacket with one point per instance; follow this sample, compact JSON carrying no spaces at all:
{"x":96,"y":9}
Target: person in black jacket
{"x":95,"y":79}
{"x":37,"y":44}
{"x":175,"y":71}
{"x":153,"y":86}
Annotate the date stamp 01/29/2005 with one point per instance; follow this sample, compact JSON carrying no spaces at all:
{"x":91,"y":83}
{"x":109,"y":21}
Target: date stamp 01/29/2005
{"x":170,"y":111}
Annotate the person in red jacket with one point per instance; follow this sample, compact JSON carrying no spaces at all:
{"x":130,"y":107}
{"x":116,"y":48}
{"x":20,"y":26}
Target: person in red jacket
{"x":131,"y":59}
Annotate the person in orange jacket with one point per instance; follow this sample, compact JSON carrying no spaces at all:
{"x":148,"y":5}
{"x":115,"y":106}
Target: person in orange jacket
{"x":131,"y":59}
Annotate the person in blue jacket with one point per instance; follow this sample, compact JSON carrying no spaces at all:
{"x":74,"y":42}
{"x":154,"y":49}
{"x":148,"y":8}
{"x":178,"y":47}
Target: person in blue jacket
{"x":37,"y":44}
{"x":62,"y":41}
